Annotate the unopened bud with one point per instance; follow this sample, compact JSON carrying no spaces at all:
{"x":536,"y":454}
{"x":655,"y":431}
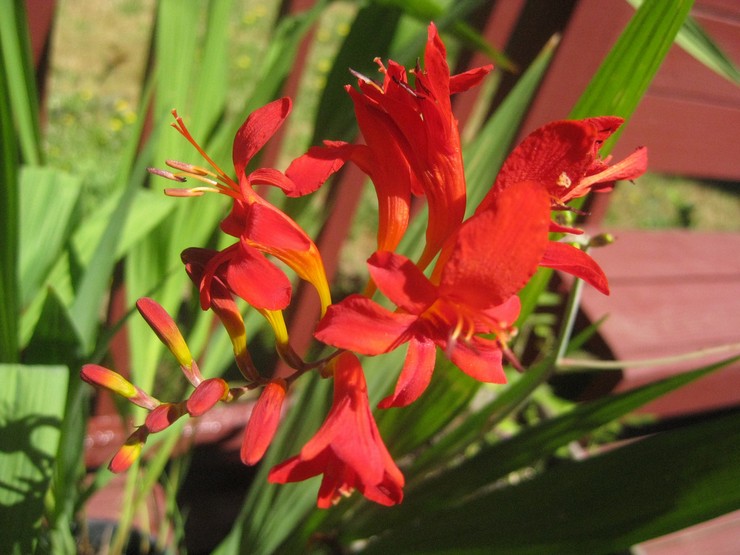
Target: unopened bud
{"x":129,"y":451}
{"x":166,"y":329}
{"x":113,"y":381}
{"x":206,"y":395}
{"x":164,"y":416}
{"x":263,"y":422}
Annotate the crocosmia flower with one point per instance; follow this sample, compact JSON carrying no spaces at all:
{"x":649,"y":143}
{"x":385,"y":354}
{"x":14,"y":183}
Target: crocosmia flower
{"x":347,"y":449}
{"x":260,"y":227}
{"x":564,"y":156}
{"x":472,"y":292}
{"x":412,"y":145}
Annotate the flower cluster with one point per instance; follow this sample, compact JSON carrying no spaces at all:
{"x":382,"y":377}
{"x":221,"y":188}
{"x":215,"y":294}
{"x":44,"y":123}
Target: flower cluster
{"x":460,"y":294}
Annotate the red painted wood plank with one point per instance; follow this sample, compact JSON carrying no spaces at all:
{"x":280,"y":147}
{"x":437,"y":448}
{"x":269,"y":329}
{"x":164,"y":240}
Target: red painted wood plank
{"x":690,"y":115}
{"x":672,"y":292}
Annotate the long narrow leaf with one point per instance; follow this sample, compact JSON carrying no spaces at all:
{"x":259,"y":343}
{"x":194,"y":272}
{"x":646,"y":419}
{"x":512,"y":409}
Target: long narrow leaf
{"x":43,"y":230}
{"x":529,"y":446}
{"x":602,"y":505}
{"x":694,"y":40}
{"x":31,"y":412}
{"x":9,"y":208}
{"x":632,"y":63}
{"x":16,"y":52}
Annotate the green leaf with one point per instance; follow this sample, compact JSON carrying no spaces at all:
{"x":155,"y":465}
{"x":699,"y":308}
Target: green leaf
{"x":629,"y":68}
{"x":494,"y":462}
{"x":54,"y":339}
{"x":694,"y":40}
{"x":31,"y":412}
{"x":450,"y":17}
{"x":369,"y":37}
{"x":9,"y":241}
{"x":15,"y":50}
{"x":487,"y":152}
{"x":449,"y":393}
{"x":602,"y":505}
{"x":48,"y":199}
{"x":256,"y":530}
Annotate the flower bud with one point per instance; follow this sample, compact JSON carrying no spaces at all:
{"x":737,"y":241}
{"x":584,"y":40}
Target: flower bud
{"x":264,"y":422}
{"x":164,"y":416}
{"x":129,"y":451}
{"x":206,"y":395}
{"x":112,"y":381}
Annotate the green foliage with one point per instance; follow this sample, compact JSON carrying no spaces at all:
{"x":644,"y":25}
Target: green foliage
{"x":64,"y":238}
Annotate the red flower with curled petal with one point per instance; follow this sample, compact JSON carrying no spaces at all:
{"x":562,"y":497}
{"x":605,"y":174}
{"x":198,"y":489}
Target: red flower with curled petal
{"x":347,"y":449}
{"x":260,"y":227}
{"x":471,"y":292}
{"x":412,"y":146}
{"x":564,"y":157}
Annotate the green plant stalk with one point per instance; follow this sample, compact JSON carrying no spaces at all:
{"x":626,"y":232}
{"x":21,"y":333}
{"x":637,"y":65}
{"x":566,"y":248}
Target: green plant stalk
{"x":16,"y":51}
{"x":9,"y":222}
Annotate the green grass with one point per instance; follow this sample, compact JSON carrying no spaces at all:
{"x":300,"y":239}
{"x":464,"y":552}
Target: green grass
{"x":661,"y":202}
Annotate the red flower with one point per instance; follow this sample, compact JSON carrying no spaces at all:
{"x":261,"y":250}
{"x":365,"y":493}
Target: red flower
{"x":564,"y":157}
{"x":260,"y":227}
{"x":347,"y":449}
{"x":412,"y":145}
{"x":472,"y":292}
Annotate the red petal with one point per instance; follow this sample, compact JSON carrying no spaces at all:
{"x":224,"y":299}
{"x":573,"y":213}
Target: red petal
{"x":206,"y":395}
{"x":436,"y":75}
{"x":557,"y":228}
{"x":256,"y":131}
{"x":497,"y":251}
{"x":402,"y":282}
{"x":480,"y":359}
{"x":310,"y":171}
{"x":270,"y":228}
{"x":257,"y":280}
{"x":270,"y":176}
{"x":264,"y":422}
{"x":469,"y":79}
{"x":360,"y":325}
{"x":415,"y":376}
{"x":560,"y":147}
{"x":567,"y":258}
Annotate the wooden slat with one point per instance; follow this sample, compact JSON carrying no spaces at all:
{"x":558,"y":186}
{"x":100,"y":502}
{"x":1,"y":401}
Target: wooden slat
{"x":672,"y":292}
{"x":690,"y":116}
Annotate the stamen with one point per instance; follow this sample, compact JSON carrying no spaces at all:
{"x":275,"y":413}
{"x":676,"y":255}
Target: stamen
{"x":564,"y":181}
{"x":180,"y":126}
{"x":194,"y":192}
{"x":166,"y":174}
{"x":408,"y":89}
{"x":362,"y":77}
{"x":188,"y":168}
